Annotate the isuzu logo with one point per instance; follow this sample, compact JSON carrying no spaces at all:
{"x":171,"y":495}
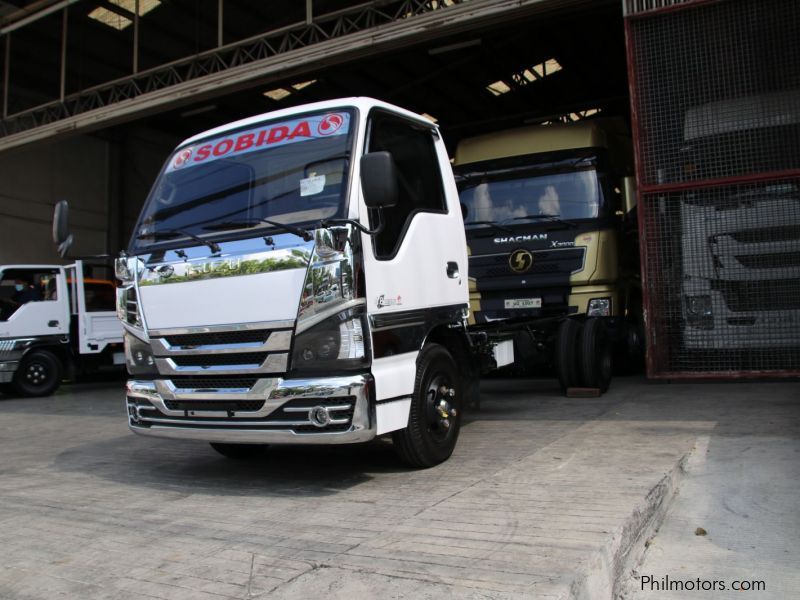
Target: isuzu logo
{"x":520,"y":260}
{"x":531,"y":237}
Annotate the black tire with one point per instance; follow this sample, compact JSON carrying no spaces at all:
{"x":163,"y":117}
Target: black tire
{"x":595,"y":355}
{"x":39,"y":374}
{"x":240,"y":451}
{"x":427,"y":441}
{"x":567,"y":339}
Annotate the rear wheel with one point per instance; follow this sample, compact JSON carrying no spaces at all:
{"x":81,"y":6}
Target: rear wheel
{"x":435,"y":417}
{"x":567,"y":340}
{"x":594,"y":355}
{"x":240,"y":451}
{"x":39,"y":374}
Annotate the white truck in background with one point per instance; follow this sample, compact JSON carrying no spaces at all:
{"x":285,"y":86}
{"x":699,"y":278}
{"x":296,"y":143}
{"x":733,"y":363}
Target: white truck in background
{"x":740,"y":244}
{"x":54,"y":322}
{"x":300,"y":277}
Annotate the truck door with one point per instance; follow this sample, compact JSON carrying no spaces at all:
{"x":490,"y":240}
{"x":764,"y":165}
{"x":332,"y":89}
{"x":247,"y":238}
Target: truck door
{"x":416,"y":268}
{"x":33,"y":302}
{"x":93,"y":307}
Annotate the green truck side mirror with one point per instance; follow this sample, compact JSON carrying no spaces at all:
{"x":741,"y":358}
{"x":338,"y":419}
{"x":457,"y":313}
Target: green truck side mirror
{"x":629,"y":195}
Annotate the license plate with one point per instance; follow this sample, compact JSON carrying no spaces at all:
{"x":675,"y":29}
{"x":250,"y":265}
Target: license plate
{"x":524,"y":303}
{"x":118,"y":358}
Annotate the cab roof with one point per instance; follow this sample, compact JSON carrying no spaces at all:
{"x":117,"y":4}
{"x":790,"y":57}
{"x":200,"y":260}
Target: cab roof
{"x":361,"y":103}
{"x":537,"y":138}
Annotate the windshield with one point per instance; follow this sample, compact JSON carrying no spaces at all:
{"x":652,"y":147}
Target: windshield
{"x":291,"y":171}
{"x":568,"y":196}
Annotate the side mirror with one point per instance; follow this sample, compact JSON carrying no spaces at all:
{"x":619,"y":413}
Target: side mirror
{"x":629,"y":198}
{"x":62,"y":238}
{"x":379,"y":180}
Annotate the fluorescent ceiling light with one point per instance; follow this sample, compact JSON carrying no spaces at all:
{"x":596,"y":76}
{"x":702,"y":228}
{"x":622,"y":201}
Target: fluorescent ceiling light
{"x":537,"y":72}
{"x":578,"y":115}
{"x":145,"y":6}
{"x":281,"y":93}
{"x":498,"y":88}
{"x":110,"y":18}
{"x":303,"y":84}
{"x":118,"y":21}
{"x":277,"y":94}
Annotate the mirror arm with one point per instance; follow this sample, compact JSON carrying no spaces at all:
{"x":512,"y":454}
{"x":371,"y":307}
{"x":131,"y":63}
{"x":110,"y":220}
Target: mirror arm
{"x":356,"y":224}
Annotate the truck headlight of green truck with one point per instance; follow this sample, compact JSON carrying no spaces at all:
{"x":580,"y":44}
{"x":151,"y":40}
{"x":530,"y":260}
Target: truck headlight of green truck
{"x":599,"y":307}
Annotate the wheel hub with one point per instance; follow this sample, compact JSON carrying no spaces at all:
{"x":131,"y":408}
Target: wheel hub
{"x":36,"y":374}
{"x":442,"y":408}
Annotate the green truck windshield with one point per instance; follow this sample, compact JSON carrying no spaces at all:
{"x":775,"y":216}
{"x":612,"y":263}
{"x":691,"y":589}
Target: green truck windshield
{"x":566,"y":195}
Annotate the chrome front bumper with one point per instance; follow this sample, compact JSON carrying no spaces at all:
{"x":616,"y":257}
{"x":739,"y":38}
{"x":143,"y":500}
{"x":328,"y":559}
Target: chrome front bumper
{"x":234,"y":415}
{"x":7,"y":370}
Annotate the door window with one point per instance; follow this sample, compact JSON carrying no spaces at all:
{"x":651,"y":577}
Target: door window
{"x":21,"y":286}
{"x":419,"y":177}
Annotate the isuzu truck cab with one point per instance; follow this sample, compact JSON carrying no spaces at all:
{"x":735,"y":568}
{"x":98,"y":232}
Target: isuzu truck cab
{"x":300,"y":277}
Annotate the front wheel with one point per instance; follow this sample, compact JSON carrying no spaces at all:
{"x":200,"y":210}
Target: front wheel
{"x":567,"y":341}
{"x":435,"y":417}
{"x":240,"y":451}
{"x":595,"y":362}
{"x":39,"y":374}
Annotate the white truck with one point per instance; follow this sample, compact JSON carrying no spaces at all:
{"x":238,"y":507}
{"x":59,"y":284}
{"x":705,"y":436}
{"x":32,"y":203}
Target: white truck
{"x":740,"y":244}
{"x":54,"y":322}
{"x":300,"y":277}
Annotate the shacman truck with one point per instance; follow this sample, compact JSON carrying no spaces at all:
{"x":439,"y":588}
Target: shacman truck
{"x":551,"y":234}
{"x":300,"y":277}
{"x":54,"y":322}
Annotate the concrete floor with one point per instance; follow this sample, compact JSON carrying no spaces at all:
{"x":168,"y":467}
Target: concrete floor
{"x":545,"y":497}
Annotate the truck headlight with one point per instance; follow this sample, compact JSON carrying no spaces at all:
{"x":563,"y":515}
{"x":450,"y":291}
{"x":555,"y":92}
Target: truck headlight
{"x":337,"y":343}
{"x":699,"y":312}
{"x":138,"y":356}
{"x":599,"y":307}
{"x":699,"y":306}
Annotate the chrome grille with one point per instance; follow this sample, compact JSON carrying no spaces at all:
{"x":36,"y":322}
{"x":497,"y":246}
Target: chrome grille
{"x":220,"y":337}
{"x":219,"y":352}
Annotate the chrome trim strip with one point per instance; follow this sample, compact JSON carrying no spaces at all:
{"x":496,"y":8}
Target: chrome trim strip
{"x":277,"y":340}
{"x":297,"y":409}
{"x":356,"y":434}
{"x":274,"y":363}
{"x":228,"y":423}
{"x":262,"y":389}
{"x":222,"y":328}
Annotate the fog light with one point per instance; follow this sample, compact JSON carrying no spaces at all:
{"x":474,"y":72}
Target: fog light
{"x":319,"y":416}
{"x":599,"y":307}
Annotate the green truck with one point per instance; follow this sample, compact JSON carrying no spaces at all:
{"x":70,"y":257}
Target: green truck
{"x":551,"y":229}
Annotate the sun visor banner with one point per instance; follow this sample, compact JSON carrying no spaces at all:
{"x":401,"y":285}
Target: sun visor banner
{"x":259,"y":138}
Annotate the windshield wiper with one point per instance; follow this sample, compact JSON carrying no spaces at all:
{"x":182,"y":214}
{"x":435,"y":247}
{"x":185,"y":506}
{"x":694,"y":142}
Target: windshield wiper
{"x":298,"y":231}
{"x":171,"y":233}
{"x":553,"y":218}
{"x":492,"y":223}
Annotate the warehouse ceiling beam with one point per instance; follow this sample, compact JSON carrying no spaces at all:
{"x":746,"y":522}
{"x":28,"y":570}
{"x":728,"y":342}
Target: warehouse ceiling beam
{"x":364,"y":30}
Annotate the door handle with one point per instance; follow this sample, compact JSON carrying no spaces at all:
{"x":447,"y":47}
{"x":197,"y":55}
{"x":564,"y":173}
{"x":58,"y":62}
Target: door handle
{"x":52,"y":323}
{"x":452,"y":270}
